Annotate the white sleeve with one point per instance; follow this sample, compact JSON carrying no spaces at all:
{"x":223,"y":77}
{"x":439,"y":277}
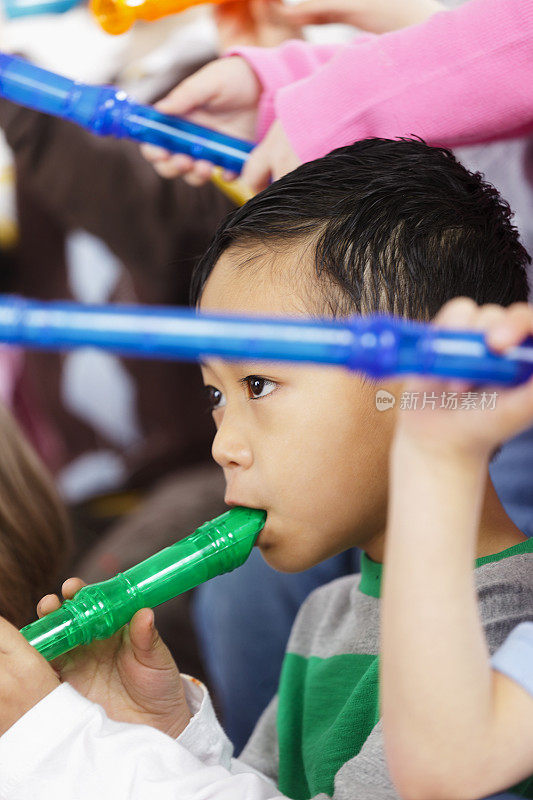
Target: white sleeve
{"x":67,"y":746}
{"x":204,"y":736}
{"x":515,"y":656}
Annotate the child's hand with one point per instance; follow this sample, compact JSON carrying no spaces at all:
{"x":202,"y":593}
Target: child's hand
{"x":272,"y":159}
{"x":376,"y":16}
{"x":485,"y":416}
{"x":131,"y":674}
{"x":25,"y":676}
{"x":223,"y":95}
{"x":256,"y":23}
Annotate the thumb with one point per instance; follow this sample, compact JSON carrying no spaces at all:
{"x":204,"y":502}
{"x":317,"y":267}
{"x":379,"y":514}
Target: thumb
{"x":192,"y":93}
{"x":148,"y":647}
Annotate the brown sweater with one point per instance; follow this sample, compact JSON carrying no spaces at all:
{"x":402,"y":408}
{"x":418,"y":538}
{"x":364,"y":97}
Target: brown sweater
{"x":69,"y":179}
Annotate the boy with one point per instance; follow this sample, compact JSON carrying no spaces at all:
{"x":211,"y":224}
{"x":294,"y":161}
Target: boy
{"x":380,"y":225}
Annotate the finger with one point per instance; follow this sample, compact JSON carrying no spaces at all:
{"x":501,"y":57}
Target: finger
{"x":51,"y":602}
{"x":421,"y":384}
{"x":200,"y":174}
{"x":47,"y":604}
{"x":515,"y":324}
{"x":203,"y":169}
{"x":154,"y":154}
{"x":194,"y":92}
{"x":456,"y":313}
{"x":193,"y":180}
{"x":257,"y":171}
{"x":487,"y":316}
{"x":71,"y":586}
{"x":176,"y":165}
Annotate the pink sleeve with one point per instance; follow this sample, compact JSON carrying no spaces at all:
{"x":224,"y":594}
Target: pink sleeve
{"x":277,"y":67}
{"x":464,"y":76}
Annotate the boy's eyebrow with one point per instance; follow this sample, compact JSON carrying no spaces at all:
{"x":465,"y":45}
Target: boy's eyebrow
{"x":245,"y":365}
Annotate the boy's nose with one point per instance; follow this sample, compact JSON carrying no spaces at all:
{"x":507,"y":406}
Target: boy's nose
{"x":230,"y":448}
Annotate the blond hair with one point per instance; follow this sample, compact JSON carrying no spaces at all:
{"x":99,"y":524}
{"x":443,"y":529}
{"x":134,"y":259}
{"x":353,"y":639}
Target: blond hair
{"x":35,"y":538}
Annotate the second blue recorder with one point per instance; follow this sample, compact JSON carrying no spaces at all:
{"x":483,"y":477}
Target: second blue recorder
{"x":108,"y":111}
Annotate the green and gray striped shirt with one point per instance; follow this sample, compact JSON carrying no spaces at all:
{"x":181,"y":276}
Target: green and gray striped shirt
{"x":321,"y":737}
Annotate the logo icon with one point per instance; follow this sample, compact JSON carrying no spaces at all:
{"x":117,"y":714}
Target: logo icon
{"x":384,"y":400}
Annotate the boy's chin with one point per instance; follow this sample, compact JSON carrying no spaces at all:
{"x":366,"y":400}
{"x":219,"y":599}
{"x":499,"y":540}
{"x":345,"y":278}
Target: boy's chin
{"x":287,"y":559}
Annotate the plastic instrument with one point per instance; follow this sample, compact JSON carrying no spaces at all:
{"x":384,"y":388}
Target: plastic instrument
{"x":117,"y":16}
{"x":236,"y":190}
{"x":30,"y":8}
{"x":99,"y":610}
{"x":377,"y":345}
{"x":108,"y":111}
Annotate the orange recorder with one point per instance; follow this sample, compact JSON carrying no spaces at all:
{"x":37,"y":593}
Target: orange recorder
{"x":117,"y":16}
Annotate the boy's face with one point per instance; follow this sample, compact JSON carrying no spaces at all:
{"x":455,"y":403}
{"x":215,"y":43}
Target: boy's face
{"x":306,"y":444}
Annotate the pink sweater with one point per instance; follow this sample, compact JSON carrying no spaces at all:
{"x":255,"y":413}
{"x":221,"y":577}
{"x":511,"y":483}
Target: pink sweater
{"x":464,"y":76}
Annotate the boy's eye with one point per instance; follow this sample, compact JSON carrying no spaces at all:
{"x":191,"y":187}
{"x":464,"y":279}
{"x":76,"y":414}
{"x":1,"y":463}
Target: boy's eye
{"x":258,"y":387}
{"x":215,"y":398}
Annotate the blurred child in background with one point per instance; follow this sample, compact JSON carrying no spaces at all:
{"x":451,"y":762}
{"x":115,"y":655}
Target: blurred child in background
{"x":35,"y":539}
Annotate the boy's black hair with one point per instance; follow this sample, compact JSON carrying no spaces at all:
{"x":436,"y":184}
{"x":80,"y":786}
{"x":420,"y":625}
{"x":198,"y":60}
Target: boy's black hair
{"x":392,"y":225}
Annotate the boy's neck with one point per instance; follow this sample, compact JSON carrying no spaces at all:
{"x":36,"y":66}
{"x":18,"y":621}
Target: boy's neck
{"x":497,"y":531}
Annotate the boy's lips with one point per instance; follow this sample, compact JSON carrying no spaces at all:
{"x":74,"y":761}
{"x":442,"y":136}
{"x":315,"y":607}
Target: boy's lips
{"x":232,"y":503}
